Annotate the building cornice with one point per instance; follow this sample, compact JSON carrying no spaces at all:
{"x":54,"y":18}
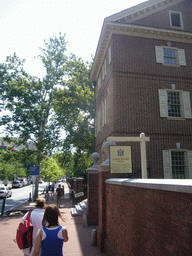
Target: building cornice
{"x":111,"y":28}
{"x":142,"y":10}
{"x":149,"y":32}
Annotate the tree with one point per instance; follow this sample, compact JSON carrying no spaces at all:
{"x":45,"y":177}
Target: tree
{"x":18,"y":160}
{"x":74,"y":106}
{"x":10,"y":166}
{"x":50,"y":171}
{"x":30,"y":100}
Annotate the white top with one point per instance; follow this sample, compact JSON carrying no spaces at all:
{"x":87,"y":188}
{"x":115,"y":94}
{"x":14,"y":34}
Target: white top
{"x":59,"y":234}
{"x":36,"y":219}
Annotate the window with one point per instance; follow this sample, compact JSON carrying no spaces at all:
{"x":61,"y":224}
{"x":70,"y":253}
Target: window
{"x":170,"y":56}
{"x":99,"y":82}
{"x":109,"y":55}
{"x":177,"y":164}
{"x":103,"y":115}
{"x":174,"y":104}
{"x":176,"y":20}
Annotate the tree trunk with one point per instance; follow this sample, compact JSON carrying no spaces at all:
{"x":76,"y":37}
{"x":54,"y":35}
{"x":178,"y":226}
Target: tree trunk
{"x":36,"y":188}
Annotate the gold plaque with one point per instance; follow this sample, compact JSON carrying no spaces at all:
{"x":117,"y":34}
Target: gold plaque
{"x":120,"y":159}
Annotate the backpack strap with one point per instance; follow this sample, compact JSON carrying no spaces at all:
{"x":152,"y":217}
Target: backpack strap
{"x":28,"y":216}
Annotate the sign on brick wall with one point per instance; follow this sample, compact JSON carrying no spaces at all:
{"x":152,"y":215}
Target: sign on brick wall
{"x":120,"y":159}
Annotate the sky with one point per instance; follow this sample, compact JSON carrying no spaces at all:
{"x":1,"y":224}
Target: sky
{"x":25,"y":24}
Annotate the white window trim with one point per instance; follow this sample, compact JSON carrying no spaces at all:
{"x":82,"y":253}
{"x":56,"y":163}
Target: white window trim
{"x":185,"y":101}
{"x":181,"y":20}
{"x":181,"y":59}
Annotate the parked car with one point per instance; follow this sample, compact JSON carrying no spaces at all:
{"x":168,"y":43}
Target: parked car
{"x":16,"y":184}
{"x":9,"y":194}
{"x":3,"y":191}
{"x":24,"y":182}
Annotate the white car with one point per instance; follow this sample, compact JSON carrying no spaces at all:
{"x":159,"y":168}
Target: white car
{"x":3,"y":192}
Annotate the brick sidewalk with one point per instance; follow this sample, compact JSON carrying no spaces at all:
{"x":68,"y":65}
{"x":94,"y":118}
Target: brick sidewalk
{"x":79,"y":243}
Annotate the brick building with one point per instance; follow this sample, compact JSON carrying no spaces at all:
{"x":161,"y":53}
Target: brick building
{"x":143,"y":75}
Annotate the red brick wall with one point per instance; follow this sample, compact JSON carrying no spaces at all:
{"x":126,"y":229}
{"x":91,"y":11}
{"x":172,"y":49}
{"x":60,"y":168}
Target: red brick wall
{"x":92,"y":195}
{"x":142,"y":221}
{"x":133,"y":80}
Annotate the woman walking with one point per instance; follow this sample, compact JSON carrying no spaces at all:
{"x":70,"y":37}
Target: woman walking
{"x":36,"y":219}
{"x":50,"y":238}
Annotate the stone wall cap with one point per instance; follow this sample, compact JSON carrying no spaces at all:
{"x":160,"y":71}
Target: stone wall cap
{"x":179,"y":185}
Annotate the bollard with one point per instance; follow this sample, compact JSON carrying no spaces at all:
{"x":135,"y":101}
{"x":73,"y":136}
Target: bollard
{"x":85,"y":220}
{"x":94,"y":237}
{"x":3,"y":206}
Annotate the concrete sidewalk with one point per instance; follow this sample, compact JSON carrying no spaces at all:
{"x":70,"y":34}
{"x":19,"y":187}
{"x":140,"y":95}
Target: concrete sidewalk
{"x":79,"y":243}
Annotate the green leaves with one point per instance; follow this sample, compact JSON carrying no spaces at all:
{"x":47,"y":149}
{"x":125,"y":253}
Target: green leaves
{"x":50,"y":171}
{"x":74,"y":105}
{"x":40,"y":108}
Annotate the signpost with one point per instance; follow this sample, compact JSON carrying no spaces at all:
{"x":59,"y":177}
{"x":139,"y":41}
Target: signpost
{"x":33,"y":171}
{"x":142,"y":139}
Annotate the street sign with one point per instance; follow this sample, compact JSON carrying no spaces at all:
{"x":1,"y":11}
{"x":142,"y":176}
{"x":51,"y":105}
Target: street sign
{"x":34,"y":170}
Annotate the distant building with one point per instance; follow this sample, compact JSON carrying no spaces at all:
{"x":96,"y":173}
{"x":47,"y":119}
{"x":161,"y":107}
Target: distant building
{"x":4,"y":145}
{"x":143,"y":75}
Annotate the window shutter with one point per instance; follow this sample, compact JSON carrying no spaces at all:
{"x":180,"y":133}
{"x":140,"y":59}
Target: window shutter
{"x":99,"y":120}
{"x":189,"y":156}
{"x":96,"y":124}
{"x":163,"y":103}
{"x":159,"y":54}
{"x":108,"y":110}
{"x":167,"y":164}
{"x":186,"y":104}
{"x":105,"y":111}
{"x":182,"y":59}
{"x":103,"y":115}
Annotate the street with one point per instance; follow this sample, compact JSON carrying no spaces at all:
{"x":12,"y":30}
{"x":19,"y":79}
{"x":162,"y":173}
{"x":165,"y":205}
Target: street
{"x":20,"y":195}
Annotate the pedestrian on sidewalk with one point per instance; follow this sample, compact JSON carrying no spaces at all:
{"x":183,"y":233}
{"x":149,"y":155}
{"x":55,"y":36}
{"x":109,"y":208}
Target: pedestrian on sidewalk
{"x":51,"y":236}
{"x":36,"y":219}
{"x":59,"y":193}
{"x":47,"y":196}
{"x":63,"y":188}
{"x":52,"y":190}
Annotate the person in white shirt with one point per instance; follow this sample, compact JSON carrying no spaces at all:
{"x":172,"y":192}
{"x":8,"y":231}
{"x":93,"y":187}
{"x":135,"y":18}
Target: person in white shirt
{"x":36,"y":219}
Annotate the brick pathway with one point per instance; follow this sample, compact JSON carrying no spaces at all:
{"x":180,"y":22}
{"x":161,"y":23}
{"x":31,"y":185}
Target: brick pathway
{"x":79,"y":243}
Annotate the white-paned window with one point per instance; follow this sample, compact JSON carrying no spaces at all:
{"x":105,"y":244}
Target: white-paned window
{"x":104,"y":69}
{"x":174,"y":104}
{"x":176,"y":20}
{"x":109,"y":54}
{"x":99,"y":82}
{"x":98,"y":122}
{"x":177,"y":164}
{"x":170,"y":56}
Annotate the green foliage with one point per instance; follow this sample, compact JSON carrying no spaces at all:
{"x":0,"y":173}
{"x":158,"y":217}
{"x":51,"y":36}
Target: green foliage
{"x":64,"y":160}
{"x":74,"y":105}
{"x":16,"y":163}
{"x":50,"y":171}
{"x":10,"y":167}
{"x":79,"y":165}
{"x":39,"y":108}
{"x":30,"y":100}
